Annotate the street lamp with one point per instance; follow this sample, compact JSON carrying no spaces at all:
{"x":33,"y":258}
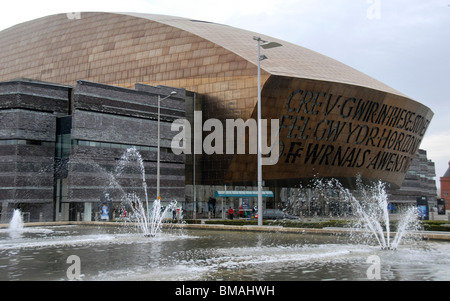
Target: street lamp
{"x":265,"y":45}
{"x":159,"y":138}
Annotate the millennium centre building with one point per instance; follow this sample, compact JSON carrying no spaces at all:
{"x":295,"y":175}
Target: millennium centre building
{"x":79,"y":89}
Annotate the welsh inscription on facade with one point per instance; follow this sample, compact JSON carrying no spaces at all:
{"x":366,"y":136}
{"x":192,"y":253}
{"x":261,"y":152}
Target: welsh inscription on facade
{"x":320,"y":128}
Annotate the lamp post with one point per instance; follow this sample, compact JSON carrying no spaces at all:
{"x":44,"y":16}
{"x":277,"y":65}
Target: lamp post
{"x":158,"y":196}
{"x":265,"y":45}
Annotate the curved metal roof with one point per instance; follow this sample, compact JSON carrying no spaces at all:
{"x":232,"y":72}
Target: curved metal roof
{"x":42,"y":49}
{"x":290,"y":60}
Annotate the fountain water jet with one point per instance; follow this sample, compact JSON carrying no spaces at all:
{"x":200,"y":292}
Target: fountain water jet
{"x":372,"y":210}
{"x":16,"y":222}
{"x":157,"y":215}
{"x":15,"y":228}
{"x":369,"y":205}
{"x":148,"y":221}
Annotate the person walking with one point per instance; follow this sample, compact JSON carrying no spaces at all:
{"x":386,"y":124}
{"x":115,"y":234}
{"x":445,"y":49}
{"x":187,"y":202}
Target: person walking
{"x":230,"y":212}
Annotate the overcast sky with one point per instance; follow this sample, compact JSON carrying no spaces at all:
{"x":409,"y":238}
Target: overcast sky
{"x":403,"y":43}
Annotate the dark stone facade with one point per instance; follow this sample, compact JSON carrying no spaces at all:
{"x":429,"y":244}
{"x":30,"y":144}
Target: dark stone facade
{"x":419,"y":181}
{"x":28,"y":113}
{"x":59,"y":145}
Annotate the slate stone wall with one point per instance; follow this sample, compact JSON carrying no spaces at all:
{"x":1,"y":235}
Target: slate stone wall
{"x":28,"y":112}
{"x":105,"y":122}
{"x":51,"y":172}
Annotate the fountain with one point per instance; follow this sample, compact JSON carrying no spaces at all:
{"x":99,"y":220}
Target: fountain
{"x":372,"y":211}
{"x":369,"y":204}
{"x":15,"y":227}
{"x":107,"y":253}
{"x":16,"y":222}
{"x":148,"y":221}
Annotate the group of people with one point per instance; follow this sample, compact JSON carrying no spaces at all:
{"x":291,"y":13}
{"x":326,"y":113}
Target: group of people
{"x":243,"y":212}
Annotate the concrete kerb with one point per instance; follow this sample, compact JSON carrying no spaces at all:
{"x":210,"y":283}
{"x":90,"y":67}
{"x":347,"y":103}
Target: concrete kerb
{"x":425,"y":235}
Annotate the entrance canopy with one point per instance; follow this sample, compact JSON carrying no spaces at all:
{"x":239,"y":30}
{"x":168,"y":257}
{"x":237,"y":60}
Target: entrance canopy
{"x":242,"y":194}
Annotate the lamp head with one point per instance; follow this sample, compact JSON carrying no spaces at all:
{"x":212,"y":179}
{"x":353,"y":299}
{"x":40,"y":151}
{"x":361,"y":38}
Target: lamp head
{"x":269,"y":45}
